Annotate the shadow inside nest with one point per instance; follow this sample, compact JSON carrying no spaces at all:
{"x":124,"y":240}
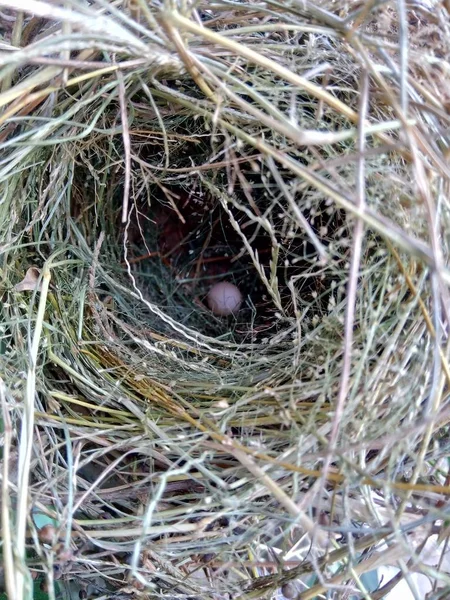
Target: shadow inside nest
{"x":186,"y":239}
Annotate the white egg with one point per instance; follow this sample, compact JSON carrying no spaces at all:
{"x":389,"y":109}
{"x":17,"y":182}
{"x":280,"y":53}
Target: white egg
{"x":224,"y":298}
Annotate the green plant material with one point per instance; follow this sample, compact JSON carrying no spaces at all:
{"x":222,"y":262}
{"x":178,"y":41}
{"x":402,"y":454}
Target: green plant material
{"x":38,"y":594}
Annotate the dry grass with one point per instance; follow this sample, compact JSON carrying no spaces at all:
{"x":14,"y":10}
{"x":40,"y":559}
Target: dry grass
{"x":304,"y":443}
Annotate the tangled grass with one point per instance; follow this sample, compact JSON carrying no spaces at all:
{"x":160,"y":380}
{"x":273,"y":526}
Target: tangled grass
{"x":149,"y":149}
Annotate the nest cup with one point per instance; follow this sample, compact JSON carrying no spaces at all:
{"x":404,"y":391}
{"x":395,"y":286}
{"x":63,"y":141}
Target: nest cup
{"x":294,"y":154}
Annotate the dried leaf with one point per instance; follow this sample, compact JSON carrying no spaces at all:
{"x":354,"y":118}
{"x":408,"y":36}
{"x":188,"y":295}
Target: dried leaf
{"x":30,"y":282}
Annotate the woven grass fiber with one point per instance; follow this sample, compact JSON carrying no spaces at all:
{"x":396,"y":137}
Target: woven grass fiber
{"x":299,"y":446}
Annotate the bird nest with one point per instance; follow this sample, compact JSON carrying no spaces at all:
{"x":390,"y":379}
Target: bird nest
{"x":297,"y":445}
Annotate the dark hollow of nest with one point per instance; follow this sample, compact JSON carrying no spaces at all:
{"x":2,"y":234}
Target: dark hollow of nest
{"x":179,"y":240}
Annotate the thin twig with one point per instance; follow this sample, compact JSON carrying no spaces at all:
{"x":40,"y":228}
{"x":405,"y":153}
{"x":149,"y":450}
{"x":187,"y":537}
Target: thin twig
{"x":358,"y":236}
{"x":26,"y":441}
{"x":126,"y":146}
{"x":8,"y":544}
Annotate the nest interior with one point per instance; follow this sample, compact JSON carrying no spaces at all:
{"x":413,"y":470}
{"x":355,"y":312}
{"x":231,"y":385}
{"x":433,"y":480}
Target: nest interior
{"x":176,"y":452}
